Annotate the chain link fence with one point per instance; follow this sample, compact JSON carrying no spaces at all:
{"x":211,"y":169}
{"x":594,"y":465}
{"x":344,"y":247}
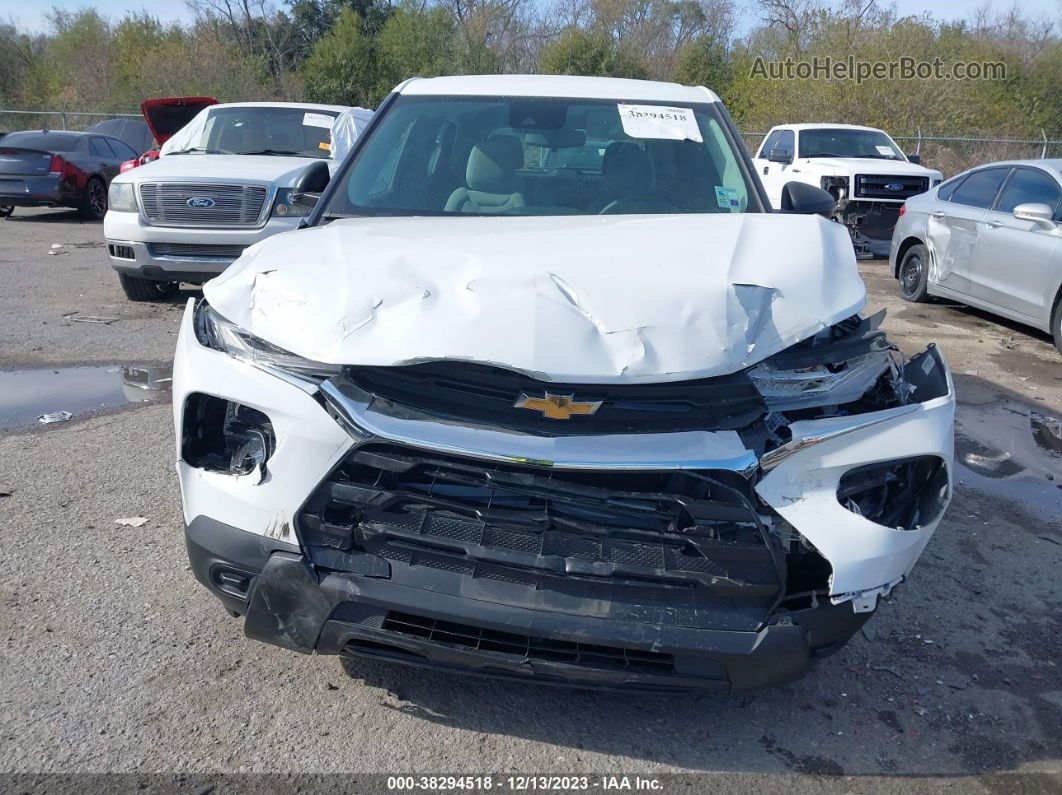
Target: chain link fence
{"x":950,"y":155}
{"x":11,"y":120}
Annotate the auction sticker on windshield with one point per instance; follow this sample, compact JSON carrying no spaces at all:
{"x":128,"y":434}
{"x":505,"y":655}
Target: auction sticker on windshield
{"x":885,"y":150}
{"x":658,"y":121}
{"x":317,"y":120}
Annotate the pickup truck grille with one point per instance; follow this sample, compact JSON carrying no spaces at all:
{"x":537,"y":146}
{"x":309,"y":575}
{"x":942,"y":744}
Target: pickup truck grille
{"x":686,"y":545}
{"x":884,"y":186}
{"x":481,"y":394}
{"x":174,"y":204}
{"x":195,"y":251}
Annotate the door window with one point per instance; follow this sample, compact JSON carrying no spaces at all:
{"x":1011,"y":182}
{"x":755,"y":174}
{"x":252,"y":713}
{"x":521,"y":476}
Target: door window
{"x":787,"y":143}
{"x":1030,"y":186}
{"x":770,"y":143}
{"x":99,"y":147}
{"x":980,"y":188}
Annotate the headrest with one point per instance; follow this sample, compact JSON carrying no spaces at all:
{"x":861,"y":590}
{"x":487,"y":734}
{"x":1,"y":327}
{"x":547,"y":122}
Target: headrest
{"x":627,"y":170}
{"x":493,"y":162}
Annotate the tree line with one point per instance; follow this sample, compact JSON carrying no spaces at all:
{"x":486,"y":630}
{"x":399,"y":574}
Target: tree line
{"x":355,"y":51}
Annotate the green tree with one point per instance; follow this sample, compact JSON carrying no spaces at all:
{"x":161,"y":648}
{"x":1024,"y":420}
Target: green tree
{"x":343,"y":66}
{"x":590,"y":52}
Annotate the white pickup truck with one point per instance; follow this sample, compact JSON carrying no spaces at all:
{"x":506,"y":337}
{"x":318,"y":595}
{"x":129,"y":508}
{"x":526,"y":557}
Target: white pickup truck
{"x":864,"y":169}
{"x":222,"y":183}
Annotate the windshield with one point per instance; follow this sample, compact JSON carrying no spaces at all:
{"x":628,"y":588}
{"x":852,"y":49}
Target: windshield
{"x":242,"y":130}
{"x":848,"y":143}
{"x":45,"y":141}
{"x":531,"y":156}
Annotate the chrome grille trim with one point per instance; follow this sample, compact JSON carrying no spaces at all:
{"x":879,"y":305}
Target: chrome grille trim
{"x":165,"y":204}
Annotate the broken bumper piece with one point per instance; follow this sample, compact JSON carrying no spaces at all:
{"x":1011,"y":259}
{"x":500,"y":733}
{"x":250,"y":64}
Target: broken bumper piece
{"x":339,"y":521}
{"x":392,"y":613}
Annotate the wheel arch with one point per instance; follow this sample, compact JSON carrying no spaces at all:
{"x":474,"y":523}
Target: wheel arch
{"x":905,"y":246}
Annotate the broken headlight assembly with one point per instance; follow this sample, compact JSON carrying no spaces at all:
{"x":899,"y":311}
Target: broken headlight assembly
{"x":214,"y":331}
{"x":222,"y":436}
{"x":837,"y":366}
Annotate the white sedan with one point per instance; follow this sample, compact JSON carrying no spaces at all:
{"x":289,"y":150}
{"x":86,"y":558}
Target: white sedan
{"x":989,"y":238}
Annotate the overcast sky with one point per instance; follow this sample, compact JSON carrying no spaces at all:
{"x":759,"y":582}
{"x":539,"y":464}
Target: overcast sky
{"x":31,"y":14}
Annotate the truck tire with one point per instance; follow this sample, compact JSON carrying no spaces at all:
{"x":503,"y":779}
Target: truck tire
{"x":93,"y":204}
{"x":137,"y":289}
{"x":913,"y":274}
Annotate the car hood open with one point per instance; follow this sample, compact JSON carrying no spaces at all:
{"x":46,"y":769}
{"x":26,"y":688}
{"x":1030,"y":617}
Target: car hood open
{"x":166,"y":115}
{"x":599,"y":299}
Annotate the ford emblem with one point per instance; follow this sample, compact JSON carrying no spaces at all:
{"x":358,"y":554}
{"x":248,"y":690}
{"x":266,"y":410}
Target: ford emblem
{"x":200,"y":201}
{"x":890,"y":186}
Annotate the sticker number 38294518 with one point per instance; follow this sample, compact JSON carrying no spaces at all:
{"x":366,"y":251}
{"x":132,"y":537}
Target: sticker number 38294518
{"x":659,"y":121}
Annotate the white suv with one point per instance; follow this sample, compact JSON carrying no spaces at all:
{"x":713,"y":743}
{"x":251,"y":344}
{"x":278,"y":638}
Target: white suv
{"x":222,"y":183}
{"x":864,"y":169}
{"x":611,"y":424}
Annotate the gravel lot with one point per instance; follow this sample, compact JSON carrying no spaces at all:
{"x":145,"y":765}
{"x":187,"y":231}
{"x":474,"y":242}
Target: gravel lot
{"x":115,"y":660}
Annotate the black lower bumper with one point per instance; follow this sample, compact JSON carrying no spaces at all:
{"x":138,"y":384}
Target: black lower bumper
{"x":363,"y":611}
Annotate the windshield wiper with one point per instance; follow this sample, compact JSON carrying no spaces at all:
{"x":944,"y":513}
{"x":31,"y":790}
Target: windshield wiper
{"x":284,"y":152}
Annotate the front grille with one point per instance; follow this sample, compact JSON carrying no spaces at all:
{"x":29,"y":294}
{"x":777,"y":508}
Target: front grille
{"x":686,"y":543}
{"x":195,"y":251}
{"x":528,"y":647}
{"x":166,"y":204}
{"x":884,"y":186}
{"x":476,"y":393}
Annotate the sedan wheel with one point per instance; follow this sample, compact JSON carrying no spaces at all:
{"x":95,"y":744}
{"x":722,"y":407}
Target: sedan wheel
{"x":913,"y":274}
{"x":6,"y":210}
{"x":94,"y":201}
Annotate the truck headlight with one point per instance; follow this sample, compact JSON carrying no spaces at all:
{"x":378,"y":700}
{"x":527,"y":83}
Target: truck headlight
{"x":838,"y":186}
{"x":213,"y":331}
{"x":284,"y":207}
{"x":121,"y":197}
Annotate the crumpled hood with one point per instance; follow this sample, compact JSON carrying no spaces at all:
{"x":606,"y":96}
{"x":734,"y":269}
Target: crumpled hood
{"x":221,"y":168}
{"x":599,"y":299}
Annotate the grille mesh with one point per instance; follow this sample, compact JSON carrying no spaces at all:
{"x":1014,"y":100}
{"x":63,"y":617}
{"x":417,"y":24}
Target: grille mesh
{"x":195,"y":251}
{"x":166,"y":203}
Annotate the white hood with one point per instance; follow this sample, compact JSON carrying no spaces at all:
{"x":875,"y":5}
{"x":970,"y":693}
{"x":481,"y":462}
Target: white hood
{"x":866,"y":165}
{"x":220,"y":168}
{"x":594,"y":299}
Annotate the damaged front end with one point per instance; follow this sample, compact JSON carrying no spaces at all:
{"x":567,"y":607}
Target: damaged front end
{"x":719,"y":532}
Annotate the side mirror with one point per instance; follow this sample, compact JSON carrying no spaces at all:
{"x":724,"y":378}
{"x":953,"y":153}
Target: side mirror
{"x":310,"y":184}
{"x":779,"y":156}
{"x":799,"y":197}
{"x":916,"y":159}
{"x":1039,"y":214}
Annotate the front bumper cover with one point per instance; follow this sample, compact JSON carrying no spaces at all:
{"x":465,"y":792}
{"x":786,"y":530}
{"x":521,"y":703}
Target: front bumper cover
{"x":289,"y":602}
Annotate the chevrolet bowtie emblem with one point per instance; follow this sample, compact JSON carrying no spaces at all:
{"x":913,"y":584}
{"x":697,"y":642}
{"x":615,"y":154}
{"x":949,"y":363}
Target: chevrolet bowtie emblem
{"x":557,"y":407}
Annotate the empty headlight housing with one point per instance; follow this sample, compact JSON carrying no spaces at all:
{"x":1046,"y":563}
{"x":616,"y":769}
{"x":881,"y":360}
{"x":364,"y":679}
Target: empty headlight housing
{"x":214,"y":331}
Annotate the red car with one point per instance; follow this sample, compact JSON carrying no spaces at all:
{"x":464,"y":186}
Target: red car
{"x":165,"y":116}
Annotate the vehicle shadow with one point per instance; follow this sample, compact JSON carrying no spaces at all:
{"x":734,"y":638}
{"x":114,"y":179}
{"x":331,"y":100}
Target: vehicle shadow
{"x":956,"y":674}
{"x":59,"y":215}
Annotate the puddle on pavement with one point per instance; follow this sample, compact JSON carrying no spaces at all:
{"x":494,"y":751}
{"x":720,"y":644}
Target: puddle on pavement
{"x":27,"y":394}
{"x":1012,"y":451}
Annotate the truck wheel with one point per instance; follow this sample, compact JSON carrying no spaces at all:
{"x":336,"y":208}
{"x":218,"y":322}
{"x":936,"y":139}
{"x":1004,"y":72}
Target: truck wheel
{"x":137,"y":289}
{"x":914,"y":271}
{"x":6,"y":210}
{"x":93,"y":204}
{"x":1056,"y":324}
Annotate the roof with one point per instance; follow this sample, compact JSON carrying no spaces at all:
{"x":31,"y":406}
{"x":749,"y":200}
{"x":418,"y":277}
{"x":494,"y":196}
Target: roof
{"x":306,"y":105}
{"x":556,"y":86}
{"x":825,"y":126}
{"x":1054,"y":163}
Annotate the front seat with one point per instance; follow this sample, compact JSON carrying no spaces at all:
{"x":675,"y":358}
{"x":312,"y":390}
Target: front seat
{"x":490,"y":178}
{"x":629,"y":183}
